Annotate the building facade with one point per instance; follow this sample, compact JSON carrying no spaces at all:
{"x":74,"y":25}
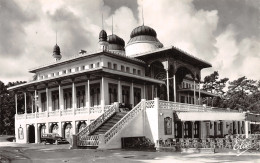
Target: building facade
{"x":159,"y":86}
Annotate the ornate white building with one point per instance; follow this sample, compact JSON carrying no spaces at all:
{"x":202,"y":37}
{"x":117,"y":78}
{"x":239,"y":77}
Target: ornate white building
{"x":85,"y":96}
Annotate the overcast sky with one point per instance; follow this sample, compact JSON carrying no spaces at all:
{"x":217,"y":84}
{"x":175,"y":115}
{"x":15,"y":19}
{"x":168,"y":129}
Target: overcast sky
{"x":225,"y":33}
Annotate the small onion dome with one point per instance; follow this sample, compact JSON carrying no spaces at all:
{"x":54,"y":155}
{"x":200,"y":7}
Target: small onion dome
{"x":103,"y":35}
{"x":114,"y":39}
{"x":143,"y":30}
{"x":115,"y":43}
{"x":56,"y":52}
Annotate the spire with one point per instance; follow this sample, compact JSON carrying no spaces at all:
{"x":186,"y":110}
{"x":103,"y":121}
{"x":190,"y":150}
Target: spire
{"x":102,"y":22}
{"x":143,"y":14}
{"x":112,"y":25}
{"x":56,"y":36}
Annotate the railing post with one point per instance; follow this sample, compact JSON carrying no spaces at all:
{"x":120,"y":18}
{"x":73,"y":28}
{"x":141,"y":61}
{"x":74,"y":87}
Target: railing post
{"x":156,"y":103}
{"x":116,"y":105}
{"x":101,"y":141}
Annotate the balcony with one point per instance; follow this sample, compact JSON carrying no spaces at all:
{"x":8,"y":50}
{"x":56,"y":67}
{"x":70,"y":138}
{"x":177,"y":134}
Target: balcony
{"x":62,"y":113}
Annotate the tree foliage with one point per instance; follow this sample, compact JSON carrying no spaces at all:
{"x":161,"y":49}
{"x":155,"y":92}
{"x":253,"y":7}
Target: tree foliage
{"x":7,"y":107}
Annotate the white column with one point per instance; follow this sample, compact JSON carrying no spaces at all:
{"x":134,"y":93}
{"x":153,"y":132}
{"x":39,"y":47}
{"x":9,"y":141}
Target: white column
{"x":35,"y":100}
{"x":32,"y":103}
{"x":25,"y":105}
{"x":73,"y":97}
{"x":47,"y":101}
{"x":60,"y":99}
{"x":102,"y":94}
{"x":247,"y":128}
{"x":36,"y":133}
{"x":194,"y":92}
{"x":16,"y":108}
{"x":182,"y":129}
{"x":119,"y":91}
{"x":88,"y":96}
{"x":199,"y":95}
{"x":132,"y":94}
{"x":152,"y":93}
{"x":167,"y":82}
{"x":174,"y":87}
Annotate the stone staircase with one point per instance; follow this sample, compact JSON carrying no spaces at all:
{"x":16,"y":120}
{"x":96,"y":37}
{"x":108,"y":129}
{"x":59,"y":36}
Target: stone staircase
{"x":99,"y":133}
{"x":108,"y":124}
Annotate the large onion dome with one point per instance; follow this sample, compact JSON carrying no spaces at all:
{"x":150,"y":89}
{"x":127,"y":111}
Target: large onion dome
{"x":143,"y":30}
{"x":142,"y":39}
{"x":102,"y":35}
{"x":56,"y":52}
{"x":115,"y":42}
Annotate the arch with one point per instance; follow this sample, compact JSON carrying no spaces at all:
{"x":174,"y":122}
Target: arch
{"x":67,"y":131}
{"x":31,"y":134}
{"x":81,"y":125}
{"x":54,"y":128}
{"x":181,"y":72}
{"x":42,"y":129}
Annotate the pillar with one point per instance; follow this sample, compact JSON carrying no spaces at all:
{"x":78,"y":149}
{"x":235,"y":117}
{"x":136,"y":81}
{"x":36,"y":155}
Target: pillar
{"x":25,"y":105}
{"x":174,"y":88}
{"x":132,"y":94}
{"x":102,"y":94}
{"x":73,"y":96}
{"x":119,"y":91}
{"x":60,"y":99}
{"x":47,"y":99}
{"x":247,"y":128}
{"x":36,"y":133}
{"x":35,"y":100}
{"x":88,"y":97}
{"x":16,"y":108}
{"x":199,"y":95}
{"x":194,"y":92}
{"x":167,"y":82}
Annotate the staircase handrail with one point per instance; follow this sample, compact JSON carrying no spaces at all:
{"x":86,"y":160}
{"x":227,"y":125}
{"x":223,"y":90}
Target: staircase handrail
{"x":120,"y":124}
{"x":96,"y":123}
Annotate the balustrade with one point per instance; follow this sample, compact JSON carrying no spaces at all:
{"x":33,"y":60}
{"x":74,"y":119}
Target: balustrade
{"x":124,"y":121}
{"x":83,"y":134}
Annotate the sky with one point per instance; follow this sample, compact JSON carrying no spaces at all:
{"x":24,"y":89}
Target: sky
{"x":225,"y":33}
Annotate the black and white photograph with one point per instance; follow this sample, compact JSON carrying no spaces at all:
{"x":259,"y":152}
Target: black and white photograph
{"x":145,"y":81}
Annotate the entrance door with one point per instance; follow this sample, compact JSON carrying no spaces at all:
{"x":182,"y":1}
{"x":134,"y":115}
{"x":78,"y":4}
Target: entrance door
{"x":137,"y":96}
{"x":31,"y":134}
{"x":68,"y":131}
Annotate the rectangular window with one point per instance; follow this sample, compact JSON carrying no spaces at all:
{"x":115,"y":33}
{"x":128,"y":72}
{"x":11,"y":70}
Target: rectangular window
{"x":134,"y":71}
{"x":55,"y":100}
{"x":43,"y":102}
{"x":95,"y":94}
{"x":81,"y":96}
{"x":115,"y":66}
{"x":126,"y":94}
{"x":123,"y":68}
{"x":98,"y":64}
{"x":76,"y":69}
{"x":82,"y":67}
{"x":139,"y":72}
{"x":64,"y":72}
{"x":112,"y":90}
{"x":91,"y":66}
{"x":67,"y":96}
{"x":127,"y":69}
{"x":109,"y":65}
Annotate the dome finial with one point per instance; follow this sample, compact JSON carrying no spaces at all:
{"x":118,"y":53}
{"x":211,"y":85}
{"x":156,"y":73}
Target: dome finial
{"x":56,"y":50}
{"x":143,"y":14}
{"x":112,"y":26}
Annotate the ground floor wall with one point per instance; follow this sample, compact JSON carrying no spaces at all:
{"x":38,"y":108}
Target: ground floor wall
{"x":30,"y":130}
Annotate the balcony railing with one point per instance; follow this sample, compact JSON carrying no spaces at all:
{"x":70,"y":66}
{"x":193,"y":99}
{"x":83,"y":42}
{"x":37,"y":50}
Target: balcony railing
{"x":67,"y":112}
